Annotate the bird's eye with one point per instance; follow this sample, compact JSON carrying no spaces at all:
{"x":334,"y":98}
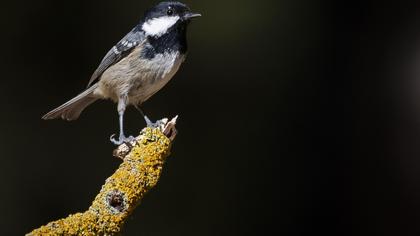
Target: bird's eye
{"x":170,"y":12}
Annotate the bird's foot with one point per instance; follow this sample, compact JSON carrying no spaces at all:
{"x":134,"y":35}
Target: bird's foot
{"x":151,"y":124}
{"x":122,"y":139}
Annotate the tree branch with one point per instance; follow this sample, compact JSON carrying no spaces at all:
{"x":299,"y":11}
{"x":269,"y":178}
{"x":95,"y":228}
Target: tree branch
{"x":143,"y":159}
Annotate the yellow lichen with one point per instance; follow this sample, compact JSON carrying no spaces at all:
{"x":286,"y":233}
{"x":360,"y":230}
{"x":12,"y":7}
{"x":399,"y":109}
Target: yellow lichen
{"x":121,"y":193}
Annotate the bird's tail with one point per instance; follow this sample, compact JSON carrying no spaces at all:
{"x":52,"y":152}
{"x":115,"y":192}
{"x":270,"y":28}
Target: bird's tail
{"x":71,"y":110}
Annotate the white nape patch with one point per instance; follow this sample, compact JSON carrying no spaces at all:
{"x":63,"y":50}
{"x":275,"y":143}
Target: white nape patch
{"x":158,"y":26}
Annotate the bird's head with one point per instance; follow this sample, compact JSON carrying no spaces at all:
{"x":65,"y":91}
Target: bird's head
{"x":159,"y":19}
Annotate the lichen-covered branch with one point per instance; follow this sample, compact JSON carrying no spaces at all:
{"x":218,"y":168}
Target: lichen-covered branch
{"x":141,"y":168}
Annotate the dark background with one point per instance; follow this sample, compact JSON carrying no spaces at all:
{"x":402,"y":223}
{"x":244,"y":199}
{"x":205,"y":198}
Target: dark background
{"x":297,"y":117}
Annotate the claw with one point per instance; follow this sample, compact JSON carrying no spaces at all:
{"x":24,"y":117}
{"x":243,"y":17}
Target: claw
{"x":156,"y":124}
{"x":149,"y":123}
{"x":122,"y":139}
{"x":114,"y":141}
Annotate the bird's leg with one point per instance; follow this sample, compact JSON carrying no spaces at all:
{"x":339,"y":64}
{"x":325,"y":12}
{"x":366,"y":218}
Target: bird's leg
{"x":122,"y":103}
{"x":149,"y":123}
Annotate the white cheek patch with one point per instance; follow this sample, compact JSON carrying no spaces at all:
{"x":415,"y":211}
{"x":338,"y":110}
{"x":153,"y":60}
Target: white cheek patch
{"x":158,"y":26}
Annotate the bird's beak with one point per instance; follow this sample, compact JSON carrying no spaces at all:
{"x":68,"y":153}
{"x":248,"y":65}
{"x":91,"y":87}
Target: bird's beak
{"x":191,"y":15}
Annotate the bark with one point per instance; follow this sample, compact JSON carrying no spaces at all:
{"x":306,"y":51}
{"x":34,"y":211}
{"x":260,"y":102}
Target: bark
{"x":143,"y":160}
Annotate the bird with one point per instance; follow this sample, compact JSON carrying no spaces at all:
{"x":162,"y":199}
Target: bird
{"x":138,"y":66}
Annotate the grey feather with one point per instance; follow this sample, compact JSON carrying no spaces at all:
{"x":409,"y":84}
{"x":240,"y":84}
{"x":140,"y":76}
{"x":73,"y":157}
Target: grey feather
{"x":71,"y":110}
{"x":118,"y":52}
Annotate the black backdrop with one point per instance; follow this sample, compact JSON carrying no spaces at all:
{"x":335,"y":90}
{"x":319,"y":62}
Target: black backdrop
{"x":296,"y":117}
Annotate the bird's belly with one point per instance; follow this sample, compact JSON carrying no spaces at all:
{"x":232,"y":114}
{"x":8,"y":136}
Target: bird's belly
{"x":139,"y":79}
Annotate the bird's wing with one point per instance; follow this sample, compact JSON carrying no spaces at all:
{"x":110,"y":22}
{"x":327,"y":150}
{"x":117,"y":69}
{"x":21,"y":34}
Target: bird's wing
{"x":118,"y":52}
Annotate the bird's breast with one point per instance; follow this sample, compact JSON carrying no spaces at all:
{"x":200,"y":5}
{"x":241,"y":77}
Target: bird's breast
{"x":160,"y":70}
{"x":139,"y":78}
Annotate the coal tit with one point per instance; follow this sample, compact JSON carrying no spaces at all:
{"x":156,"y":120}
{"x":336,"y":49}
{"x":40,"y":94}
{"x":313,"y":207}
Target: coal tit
{"x":138,"y":66}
